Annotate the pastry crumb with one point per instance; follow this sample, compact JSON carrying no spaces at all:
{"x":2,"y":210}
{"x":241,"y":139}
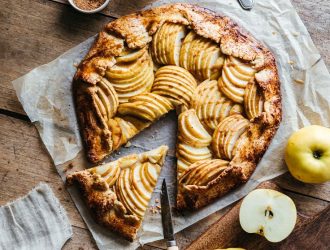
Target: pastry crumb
{"x":153,"y":210}
{"x":274,"y":33}
{"x":291,"y":62}
{"x":299,"y":81}
{"x":68,"y":167}
{"x":128,"y":144}
{"x":295,"y":33}
{"x":158,"y":207}
{"x":157,"y":200}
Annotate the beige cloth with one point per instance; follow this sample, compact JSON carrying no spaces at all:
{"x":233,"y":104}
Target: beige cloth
{"x":35,"y":221}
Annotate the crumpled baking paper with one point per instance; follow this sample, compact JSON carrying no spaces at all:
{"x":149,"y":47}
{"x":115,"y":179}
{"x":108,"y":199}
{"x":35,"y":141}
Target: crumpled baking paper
{"x":45,"y":94}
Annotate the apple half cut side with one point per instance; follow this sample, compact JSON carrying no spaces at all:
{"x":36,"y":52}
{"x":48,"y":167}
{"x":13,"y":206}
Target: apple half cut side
{"x":269,"y":213}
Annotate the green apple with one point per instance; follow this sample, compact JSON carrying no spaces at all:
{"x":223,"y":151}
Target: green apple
{"x":307,"y":154}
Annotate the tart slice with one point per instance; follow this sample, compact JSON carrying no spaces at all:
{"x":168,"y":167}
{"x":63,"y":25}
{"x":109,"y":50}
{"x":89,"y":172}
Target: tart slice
{"x":117,"y":193}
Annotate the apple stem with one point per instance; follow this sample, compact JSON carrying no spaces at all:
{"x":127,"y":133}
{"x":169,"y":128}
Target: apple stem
{"x":317,"y":154}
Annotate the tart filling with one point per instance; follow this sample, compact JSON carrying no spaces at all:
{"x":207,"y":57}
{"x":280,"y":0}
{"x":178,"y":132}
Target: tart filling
{"x":222,"y":82}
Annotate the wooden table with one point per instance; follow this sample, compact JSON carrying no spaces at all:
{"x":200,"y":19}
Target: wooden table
{"x":34,"y":32}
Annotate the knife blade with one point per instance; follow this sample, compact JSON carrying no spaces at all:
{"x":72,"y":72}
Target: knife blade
{"x":167,"y":218}
{"x":246,"y":4}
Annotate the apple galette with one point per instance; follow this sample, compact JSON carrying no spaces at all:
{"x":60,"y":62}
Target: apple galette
{"x":223,"y":83}
{"x":118,"y":193}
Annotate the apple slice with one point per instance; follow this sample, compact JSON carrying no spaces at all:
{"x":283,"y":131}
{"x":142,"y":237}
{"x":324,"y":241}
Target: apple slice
{"x":110,"y":95}
{"x":212,"y":106}
{"x":185,"y":49}
{"x":133,"y":78}
{"x":235,"y":76}
{"x":201,"y":57}
{"x":174,"y":83}
{"x":253,"y":100}
{"x":202,"y":172}
{"x":166,"y":43}
{"x":116,"y":133}
{"x":130,"y":55}
{"x":191,"y":131}
{"x":227,"y":135}
{"x":192,"y":154}
{"x":128,"y":130}
{"x":269,"y":213}
{"x":109,"y":172}
{"x":188,"y":155}
{"x":148,"y":106}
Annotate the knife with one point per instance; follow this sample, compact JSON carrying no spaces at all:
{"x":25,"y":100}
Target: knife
{"x":246,"y":4}
{"x":167,"y":219}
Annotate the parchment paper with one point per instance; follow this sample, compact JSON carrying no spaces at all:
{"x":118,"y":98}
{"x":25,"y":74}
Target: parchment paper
{"x":45,"y":94}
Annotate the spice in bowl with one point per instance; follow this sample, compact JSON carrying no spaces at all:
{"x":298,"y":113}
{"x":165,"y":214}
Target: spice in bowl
{"x":88,"y":4}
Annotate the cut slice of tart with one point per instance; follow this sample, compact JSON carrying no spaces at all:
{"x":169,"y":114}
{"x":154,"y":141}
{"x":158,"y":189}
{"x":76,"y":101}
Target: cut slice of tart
{"x":118,"y":193}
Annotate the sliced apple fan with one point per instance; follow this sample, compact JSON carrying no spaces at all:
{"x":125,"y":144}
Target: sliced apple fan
{"x":118,"y":192}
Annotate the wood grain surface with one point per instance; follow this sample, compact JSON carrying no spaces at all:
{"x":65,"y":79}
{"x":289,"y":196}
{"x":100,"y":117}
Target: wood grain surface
{"x":34,"y":32}
{"x":227,"y":232}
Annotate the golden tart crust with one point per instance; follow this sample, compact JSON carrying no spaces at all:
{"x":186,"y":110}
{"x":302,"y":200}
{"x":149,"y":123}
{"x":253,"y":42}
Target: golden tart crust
{"x":117,"y":193}
{"x":224,"y":82}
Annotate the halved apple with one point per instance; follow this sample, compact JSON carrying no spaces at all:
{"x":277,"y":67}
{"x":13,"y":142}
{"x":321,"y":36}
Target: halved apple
{"x":148,"y":106}
{"x":269,"y":213}
{"x":174,"y":83}
{"x":202,"y":172}
{"x":253,"y":100}
{"x":191,"y":131}
{"x":166,"y":43}
{"x":235,"y":76}
{"x":211,"y":105}
{"x":227,"y":135}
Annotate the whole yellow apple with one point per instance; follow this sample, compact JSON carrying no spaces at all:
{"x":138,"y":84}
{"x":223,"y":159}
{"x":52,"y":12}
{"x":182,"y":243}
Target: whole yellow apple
{"x":307,"y":154}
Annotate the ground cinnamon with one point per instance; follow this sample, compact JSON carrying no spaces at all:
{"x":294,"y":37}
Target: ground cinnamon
{"x":88,"y":4}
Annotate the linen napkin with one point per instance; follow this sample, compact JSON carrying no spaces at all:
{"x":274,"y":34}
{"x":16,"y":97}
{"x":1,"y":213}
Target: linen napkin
{"x":35,"y":221}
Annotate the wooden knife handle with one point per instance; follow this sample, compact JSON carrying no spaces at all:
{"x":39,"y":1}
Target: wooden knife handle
{"x":173,"y":248}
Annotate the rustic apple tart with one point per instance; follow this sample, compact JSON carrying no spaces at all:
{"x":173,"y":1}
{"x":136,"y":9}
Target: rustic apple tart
{"x":118,"y":193}
{"x":223,"y":83}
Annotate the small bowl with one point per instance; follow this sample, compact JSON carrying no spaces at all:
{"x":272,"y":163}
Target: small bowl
{"x":106,"y":2}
